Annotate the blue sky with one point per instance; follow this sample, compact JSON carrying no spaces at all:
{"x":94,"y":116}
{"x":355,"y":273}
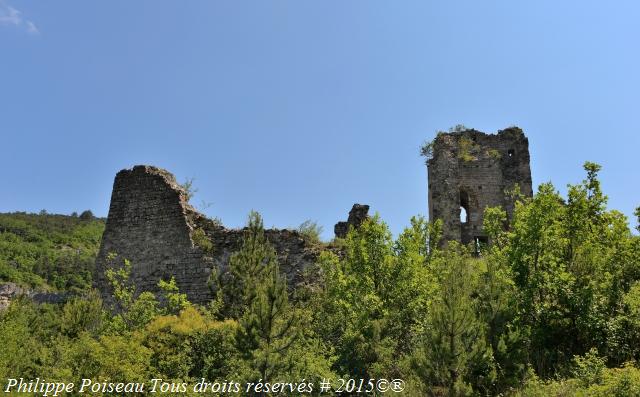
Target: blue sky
{"x":299,"y":109}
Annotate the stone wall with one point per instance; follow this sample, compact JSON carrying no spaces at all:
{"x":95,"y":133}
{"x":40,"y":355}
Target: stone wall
{"x":358,"y":214}
{"x":473,"y":170}
{"x":151,"y":224}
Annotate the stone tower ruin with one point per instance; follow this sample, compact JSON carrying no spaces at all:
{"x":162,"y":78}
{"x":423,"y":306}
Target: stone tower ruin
{"x":468,"y":171}
{"x":151,"y":224}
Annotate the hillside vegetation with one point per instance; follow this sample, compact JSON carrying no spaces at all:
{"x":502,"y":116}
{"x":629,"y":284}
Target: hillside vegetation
{"x":49,"y":252}
{"x":550,"y":307}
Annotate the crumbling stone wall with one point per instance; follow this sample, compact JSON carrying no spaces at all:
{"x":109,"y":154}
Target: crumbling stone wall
{"x":358,"y":214}
{"x":151,"y":224}
{"x":147,"y":224}
{"x":473,"y":170}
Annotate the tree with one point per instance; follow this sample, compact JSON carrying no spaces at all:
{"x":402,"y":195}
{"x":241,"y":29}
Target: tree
{"x":572,"y":264}
{"x":268,"y":327}
{"x":82,"y":314}
{"x":87,"y":215}
{"x":356,"y":298}
{"x":412,"y":282}
{"x":173,"y":339}
{"x":246,"y":268}
{"x":174,"y":301}
{"x":375,"y":296}
{"x":535,"y":253}
{"x":497,"y":303}
{"x":132,"y":311}
{"x":454,"y":338}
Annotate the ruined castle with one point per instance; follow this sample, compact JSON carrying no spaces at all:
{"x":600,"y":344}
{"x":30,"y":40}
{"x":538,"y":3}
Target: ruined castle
{"x":468,"y":171}
{"x":151,"y":223}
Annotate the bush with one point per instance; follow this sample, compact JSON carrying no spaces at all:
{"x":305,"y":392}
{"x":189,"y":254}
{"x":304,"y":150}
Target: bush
{"x":311,"y":230}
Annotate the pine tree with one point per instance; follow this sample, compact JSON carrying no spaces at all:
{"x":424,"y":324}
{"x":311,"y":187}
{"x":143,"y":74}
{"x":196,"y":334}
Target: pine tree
{"x":454,"y":340}
{"x":246,"y":267}
{"x":257,"y":295}
{"x":268,"y":327}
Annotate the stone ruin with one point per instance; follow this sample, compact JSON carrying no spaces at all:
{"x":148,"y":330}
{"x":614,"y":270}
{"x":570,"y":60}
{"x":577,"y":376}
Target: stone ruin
{"x":358,"y":214}
{"x":469,"y":171}
{"x":151,"y":224}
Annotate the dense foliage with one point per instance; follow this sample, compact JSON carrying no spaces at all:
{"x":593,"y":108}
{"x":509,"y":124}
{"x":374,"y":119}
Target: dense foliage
{"x":549,"y":307}
{"x":47,"y":251}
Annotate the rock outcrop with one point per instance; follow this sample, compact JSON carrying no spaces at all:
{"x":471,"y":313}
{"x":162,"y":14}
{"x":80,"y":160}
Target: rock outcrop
{"x":12,"y":291}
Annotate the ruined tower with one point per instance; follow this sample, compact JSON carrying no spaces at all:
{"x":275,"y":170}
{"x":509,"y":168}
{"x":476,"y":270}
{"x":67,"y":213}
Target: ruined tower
{"x":468,"y":171}
{"x":358,"y":214}
{"x":149,"y":225}
{"x":152,"y":225}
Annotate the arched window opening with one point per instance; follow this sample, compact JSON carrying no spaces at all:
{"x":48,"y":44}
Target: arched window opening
{"x":464,"y":206}
{"x":511,"y":152}
{"x":464,"y":217}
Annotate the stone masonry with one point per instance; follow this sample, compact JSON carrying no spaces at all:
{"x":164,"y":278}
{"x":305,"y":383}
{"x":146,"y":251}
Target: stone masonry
{"x":151,"y":224}
{"x":469,"y":171}
{"x":358,"y":214}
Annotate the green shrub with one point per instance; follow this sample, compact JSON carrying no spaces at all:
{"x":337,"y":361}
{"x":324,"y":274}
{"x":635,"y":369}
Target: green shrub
{"x":310,"y":230}
{"x":200,"y":239}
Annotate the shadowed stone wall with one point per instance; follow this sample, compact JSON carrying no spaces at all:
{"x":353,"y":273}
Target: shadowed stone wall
{"x":147,"y":224}
{"x":358,"y":214}
{"x":473,"y":170}
{"x":151,"y":224}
